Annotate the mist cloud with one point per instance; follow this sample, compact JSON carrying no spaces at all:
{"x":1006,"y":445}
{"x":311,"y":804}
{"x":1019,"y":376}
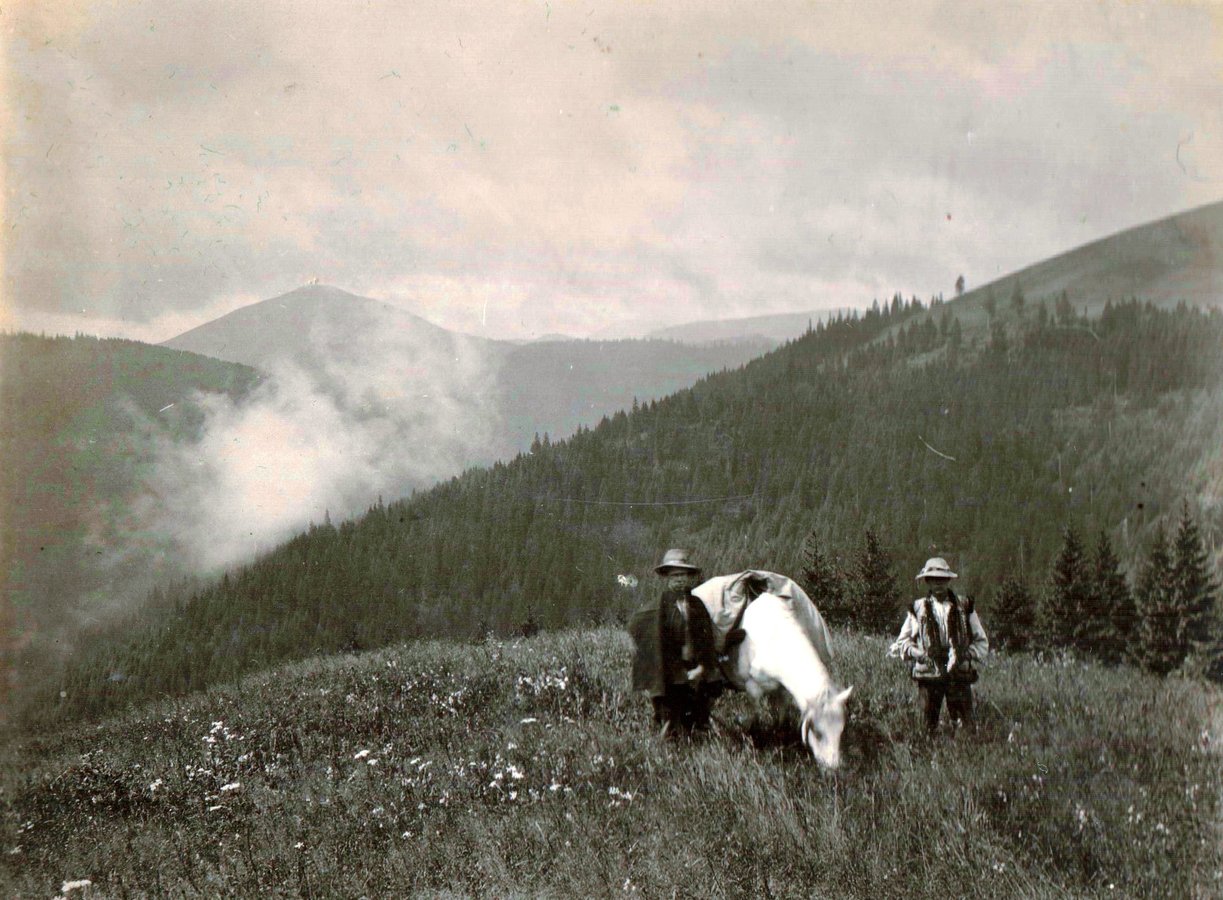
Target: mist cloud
{"x":375,"y":418}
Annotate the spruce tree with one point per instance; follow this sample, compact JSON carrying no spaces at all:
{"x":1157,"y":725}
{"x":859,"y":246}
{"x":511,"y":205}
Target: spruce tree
{"x":1113,"y":623}
{"x":824,"y":583}
{"x":1014,"y":616}
{"x":1162,"y":644}
{"x":876,"y":592}
{"x":1065,"y":606}
{"x":1195,"y":590}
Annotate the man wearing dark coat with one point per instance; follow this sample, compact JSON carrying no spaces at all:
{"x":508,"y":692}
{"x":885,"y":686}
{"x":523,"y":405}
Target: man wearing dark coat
{"x":675,"y":649}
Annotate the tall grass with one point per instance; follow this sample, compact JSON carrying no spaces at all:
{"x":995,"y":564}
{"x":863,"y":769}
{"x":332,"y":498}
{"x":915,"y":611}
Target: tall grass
{"x":529,"y":768}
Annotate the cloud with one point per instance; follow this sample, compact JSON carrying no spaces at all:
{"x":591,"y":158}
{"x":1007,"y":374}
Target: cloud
{"x":585,"y":167}
{"x":394,"y":414}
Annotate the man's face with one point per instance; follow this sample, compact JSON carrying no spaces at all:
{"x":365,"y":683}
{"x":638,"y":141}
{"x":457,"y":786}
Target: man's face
{"x":681,"y":579}
{"x":938,"y":586}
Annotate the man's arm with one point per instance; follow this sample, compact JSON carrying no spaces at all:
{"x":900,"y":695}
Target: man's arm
{"x":908,"y":643}
{"x":980,"y":643}
{"x":700,"y":635}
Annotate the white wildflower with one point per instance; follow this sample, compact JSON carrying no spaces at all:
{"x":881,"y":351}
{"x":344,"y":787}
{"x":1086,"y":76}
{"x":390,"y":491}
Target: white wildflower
{"x":361,"y":754}
{"x":69,"y":886}
{"x":529,"y":720}
{"x":299,"y":845}
{"x":232,"y":786}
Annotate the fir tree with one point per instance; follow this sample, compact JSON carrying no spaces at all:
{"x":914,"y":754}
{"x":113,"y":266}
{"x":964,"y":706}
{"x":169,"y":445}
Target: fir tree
{"x":1014,"y":616}
{"x":1161,"y":633}
{"x":1195,"y":590}
{"x":1112,"y":627}
{"x":1066,"y":606}
{"x":875,"y":590}
{"x":824,"y":583}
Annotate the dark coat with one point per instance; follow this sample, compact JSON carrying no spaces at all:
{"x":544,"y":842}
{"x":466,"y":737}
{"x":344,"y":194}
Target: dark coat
{"x":660,"y":636}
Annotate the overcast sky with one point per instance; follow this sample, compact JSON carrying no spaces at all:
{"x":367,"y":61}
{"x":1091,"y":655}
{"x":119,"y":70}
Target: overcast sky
{"x":512,"y":169}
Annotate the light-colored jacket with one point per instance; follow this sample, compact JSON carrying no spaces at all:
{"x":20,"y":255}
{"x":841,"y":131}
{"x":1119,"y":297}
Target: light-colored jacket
{"x":908,"y":644}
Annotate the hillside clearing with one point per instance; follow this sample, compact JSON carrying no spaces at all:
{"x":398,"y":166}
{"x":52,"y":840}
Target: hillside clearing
{"x":527,"y":767}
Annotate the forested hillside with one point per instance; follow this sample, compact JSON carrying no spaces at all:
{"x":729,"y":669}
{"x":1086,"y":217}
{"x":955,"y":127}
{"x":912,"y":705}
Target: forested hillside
{"x":982,"y":452}
{"x":80,"y":420}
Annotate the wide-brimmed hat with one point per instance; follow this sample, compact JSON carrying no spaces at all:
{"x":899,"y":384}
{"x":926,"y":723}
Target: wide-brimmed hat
{"x":675,"y":560}
{"x":935,"y":567}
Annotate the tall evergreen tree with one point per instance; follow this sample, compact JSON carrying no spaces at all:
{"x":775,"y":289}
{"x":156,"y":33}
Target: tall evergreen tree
{"x":875,"y":589}
{"x":1112,"y":626}
{"x":1014,"y":618}
{"x":1194,"y":587}
{"x":1162,"y":644}
{"x":1066,"y":605}
{"x":824,"y":583}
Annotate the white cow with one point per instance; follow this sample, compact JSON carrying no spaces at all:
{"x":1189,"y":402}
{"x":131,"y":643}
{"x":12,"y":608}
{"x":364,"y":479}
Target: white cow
{"x":785,"y":645}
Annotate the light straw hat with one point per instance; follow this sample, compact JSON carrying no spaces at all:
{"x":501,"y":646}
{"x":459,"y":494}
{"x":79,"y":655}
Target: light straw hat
{"x":936,"y":567}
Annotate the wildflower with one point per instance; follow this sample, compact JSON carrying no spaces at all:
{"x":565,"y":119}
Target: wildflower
{"x":69,"y":886}
{"x":361,"y":754}
{"x":299,"y":845}
{"x":155,"y":785}
{"x":529,"y":720}
{"x":232,"y":786}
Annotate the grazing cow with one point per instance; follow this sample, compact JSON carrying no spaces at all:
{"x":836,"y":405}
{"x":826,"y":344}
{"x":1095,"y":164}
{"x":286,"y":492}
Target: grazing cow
{"x":782,"y":643}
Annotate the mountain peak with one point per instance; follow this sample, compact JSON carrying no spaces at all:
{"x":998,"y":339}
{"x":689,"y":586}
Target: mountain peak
{"x":297,"y":325}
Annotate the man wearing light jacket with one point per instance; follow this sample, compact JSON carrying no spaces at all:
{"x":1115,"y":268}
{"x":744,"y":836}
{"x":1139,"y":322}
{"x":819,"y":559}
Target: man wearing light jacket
{"x":943,"y":640}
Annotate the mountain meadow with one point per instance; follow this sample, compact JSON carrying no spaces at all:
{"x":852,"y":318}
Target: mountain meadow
{"x":525,"y":767}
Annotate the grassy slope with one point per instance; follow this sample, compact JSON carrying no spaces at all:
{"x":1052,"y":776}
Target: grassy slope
{"x":528,"y":767}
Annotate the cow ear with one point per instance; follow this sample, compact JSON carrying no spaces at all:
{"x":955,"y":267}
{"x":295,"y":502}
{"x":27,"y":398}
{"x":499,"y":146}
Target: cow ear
{"x":844,"y":695}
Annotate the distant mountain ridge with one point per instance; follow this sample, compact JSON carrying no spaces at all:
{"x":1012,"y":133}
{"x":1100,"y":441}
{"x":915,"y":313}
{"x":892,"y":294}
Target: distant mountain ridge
{"x":1176,"y":258}
{"x":371,"y":355}
{"x":311,"y":326}
{"x":771,"y":329}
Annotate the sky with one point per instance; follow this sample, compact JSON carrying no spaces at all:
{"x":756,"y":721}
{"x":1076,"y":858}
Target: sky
{"x":517,"y":169}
